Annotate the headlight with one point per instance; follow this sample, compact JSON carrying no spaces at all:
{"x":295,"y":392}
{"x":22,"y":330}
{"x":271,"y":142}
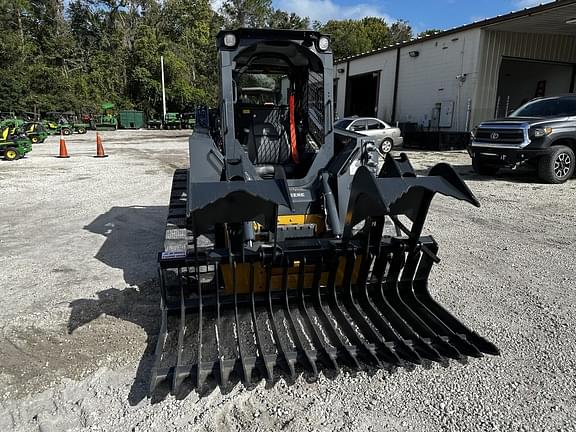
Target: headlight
{"x":323,"y":43}
{"x":540,"y":132}
{"x":230,"y":40}
{"x":473,"y":132}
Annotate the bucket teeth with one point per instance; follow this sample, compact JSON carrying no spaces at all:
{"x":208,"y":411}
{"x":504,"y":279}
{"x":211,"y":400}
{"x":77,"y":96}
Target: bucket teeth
{"x":316,"y":313}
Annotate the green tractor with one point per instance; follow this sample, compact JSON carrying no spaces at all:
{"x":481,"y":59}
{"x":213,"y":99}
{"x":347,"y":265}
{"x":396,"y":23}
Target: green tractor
{"x":65,"y":123}
{"x":107,"y":120}
{"x":13,"y":146}
{"x":173,"y":121}
{"x":35,"y":131}
{"x":154,"y":123}
{"x":188,"y":120}
{"x":32,"y":129}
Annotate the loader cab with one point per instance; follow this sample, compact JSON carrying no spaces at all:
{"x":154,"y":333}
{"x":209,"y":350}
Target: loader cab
{"x":275,"y":103}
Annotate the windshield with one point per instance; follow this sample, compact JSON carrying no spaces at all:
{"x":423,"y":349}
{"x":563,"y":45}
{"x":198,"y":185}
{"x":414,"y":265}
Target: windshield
{"x":342,"y":124}
{"x":554,"y":107}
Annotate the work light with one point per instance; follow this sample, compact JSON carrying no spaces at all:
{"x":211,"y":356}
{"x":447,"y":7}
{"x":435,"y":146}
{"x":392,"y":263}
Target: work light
{"x":323,"y":43}
{"x":230,"y":40}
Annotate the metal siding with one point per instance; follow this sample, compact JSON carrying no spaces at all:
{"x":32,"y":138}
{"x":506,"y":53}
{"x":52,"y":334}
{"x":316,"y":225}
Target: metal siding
{"x":421,"y":78}
{"x":496,"y":45}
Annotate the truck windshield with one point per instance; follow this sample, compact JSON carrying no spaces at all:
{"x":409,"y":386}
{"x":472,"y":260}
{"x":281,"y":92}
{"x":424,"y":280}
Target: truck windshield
{"x":552,"y":107}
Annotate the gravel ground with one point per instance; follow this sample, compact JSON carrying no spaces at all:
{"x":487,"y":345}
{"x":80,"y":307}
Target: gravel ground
{"x":79,"y":311}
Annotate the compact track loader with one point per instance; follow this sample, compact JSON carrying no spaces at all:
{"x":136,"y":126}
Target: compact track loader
{"x":288,"y":248}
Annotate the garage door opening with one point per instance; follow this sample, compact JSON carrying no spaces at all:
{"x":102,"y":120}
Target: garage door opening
{"x":362,"y":95}
{"x":522,"y":80}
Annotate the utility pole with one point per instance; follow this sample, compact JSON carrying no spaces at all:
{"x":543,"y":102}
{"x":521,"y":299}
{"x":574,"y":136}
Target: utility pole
{"x":163,"y":90}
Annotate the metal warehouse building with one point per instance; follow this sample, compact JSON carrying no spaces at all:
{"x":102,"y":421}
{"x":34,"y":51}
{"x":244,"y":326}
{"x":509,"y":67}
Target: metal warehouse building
{"x":455,"y":79}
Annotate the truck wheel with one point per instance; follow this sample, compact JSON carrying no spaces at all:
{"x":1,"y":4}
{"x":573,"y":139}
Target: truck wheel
{"x":557,"y":166}
{"x":11,"y":154}
{"x":386,"y":145}
{"x":66,"y":131}
{"x":81,"y":130}
{"x":482,"y":168}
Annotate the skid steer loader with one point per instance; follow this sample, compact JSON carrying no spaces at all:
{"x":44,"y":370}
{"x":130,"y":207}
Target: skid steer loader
{"x":287,"y":249}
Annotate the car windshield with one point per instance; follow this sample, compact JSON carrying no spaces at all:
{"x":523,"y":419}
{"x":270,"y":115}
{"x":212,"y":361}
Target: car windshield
{"x":547,"y":108}
{"x":342,"y":124}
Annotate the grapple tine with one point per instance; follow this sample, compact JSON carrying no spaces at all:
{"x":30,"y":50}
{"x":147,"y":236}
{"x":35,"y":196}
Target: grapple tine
{"x":344,"y":350}
{"x":403,"y":350}
{"x":328,"y":355}
{"x":163,"y":335}
{"x":404,"y":283}
{"x":422,"y":293}
{"x":180,"y":374}
{"x":289,"y":360}
{"x":368,"y":355}
{"x":386,"y":355}
{"x":260,"y":346}
{"x":310,"y":362}
{"x":433,"y":322}
{"x":199,"y":369}
{"x":246,"y":372}
{"x":424,"y":349}
{"x":223,"y":370}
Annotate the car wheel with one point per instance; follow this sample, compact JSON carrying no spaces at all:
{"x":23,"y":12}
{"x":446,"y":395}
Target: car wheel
{"x":557,"y":166}
{"x":386,"y":145}
{"x":11,"y":154}
{"x":482,"y":168}
{"x":66,"y":131}
{"x":81,"y":130}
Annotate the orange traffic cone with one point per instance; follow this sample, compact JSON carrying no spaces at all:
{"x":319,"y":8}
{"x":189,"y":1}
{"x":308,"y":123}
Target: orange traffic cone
{"x":99,"y":147}
{"x":63,"y":150}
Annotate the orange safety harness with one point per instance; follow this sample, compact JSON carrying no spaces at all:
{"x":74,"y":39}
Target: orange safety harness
{"x":293,"y":146}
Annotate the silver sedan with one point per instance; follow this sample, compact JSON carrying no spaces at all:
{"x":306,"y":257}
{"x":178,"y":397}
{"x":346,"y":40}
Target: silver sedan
{"x":385,"y":136}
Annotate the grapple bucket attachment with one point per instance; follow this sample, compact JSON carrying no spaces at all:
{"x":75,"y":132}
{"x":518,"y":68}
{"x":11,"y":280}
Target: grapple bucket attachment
{"x":313,"y":305}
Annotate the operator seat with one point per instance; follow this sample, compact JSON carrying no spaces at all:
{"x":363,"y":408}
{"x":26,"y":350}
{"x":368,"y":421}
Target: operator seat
{"x":268,"y":149}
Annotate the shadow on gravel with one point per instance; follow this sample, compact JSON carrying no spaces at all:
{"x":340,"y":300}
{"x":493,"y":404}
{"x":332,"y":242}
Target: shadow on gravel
{"x":521,"y":175}
{"x":524,"y":174}
{"x":134,"y":236}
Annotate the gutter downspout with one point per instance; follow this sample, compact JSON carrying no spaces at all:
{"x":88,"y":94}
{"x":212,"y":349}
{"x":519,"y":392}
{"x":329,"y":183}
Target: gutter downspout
{"x":396,"y":79}
{"x":347,"y":91}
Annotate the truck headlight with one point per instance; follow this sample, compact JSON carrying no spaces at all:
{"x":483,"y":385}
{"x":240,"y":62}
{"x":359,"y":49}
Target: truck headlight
{"x":541,"y":132}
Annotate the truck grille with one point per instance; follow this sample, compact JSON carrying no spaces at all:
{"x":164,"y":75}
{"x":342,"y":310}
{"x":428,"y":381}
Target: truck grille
{"x":500,"y":136}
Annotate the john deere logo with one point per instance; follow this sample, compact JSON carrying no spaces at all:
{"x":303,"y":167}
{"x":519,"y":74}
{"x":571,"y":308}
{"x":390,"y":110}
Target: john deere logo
{"x":494,"y":136}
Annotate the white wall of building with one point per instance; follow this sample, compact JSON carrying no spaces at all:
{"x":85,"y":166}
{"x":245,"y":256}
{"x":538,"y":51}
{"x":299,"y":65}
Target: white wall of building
{"x":425,"y":80}
{"x":383,"y":62}
{"x":431,"y":78}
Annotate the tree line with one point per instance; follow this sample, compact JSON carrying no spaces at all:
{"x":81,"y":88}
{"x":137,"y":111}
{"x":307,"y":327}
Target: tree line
{"x":74,"y":55}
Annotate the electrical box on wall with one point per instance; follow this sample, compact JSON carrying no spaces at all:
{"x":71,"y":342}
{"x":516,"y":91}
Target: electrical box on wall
{"x":446,"y":114}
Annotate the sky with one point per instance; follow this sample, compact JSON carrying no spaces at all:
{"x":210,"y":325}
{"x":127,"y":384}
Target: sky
{"x":421,"y":14}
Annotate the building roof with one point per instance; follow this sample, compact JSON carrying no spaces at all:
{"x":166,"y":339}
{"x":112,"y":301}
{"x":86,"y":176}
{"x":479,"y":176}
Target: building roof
{"x":542,"y":26}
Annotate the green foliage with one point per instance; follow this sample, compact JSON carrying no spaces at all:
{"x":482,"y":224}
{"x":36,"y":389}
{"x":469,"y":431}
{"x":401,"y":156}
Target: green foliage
{"x":351,"y":37}
{"x":428,"y":32}
{"x":78,"y":54}
{"x":106,"y":50}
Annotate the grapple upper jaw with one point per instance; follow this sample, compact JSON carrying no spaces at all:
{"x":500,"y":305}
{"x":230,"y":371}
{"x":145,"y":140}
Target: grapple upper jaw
{"x":398,"y":191}
{"x":210,"y":203}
